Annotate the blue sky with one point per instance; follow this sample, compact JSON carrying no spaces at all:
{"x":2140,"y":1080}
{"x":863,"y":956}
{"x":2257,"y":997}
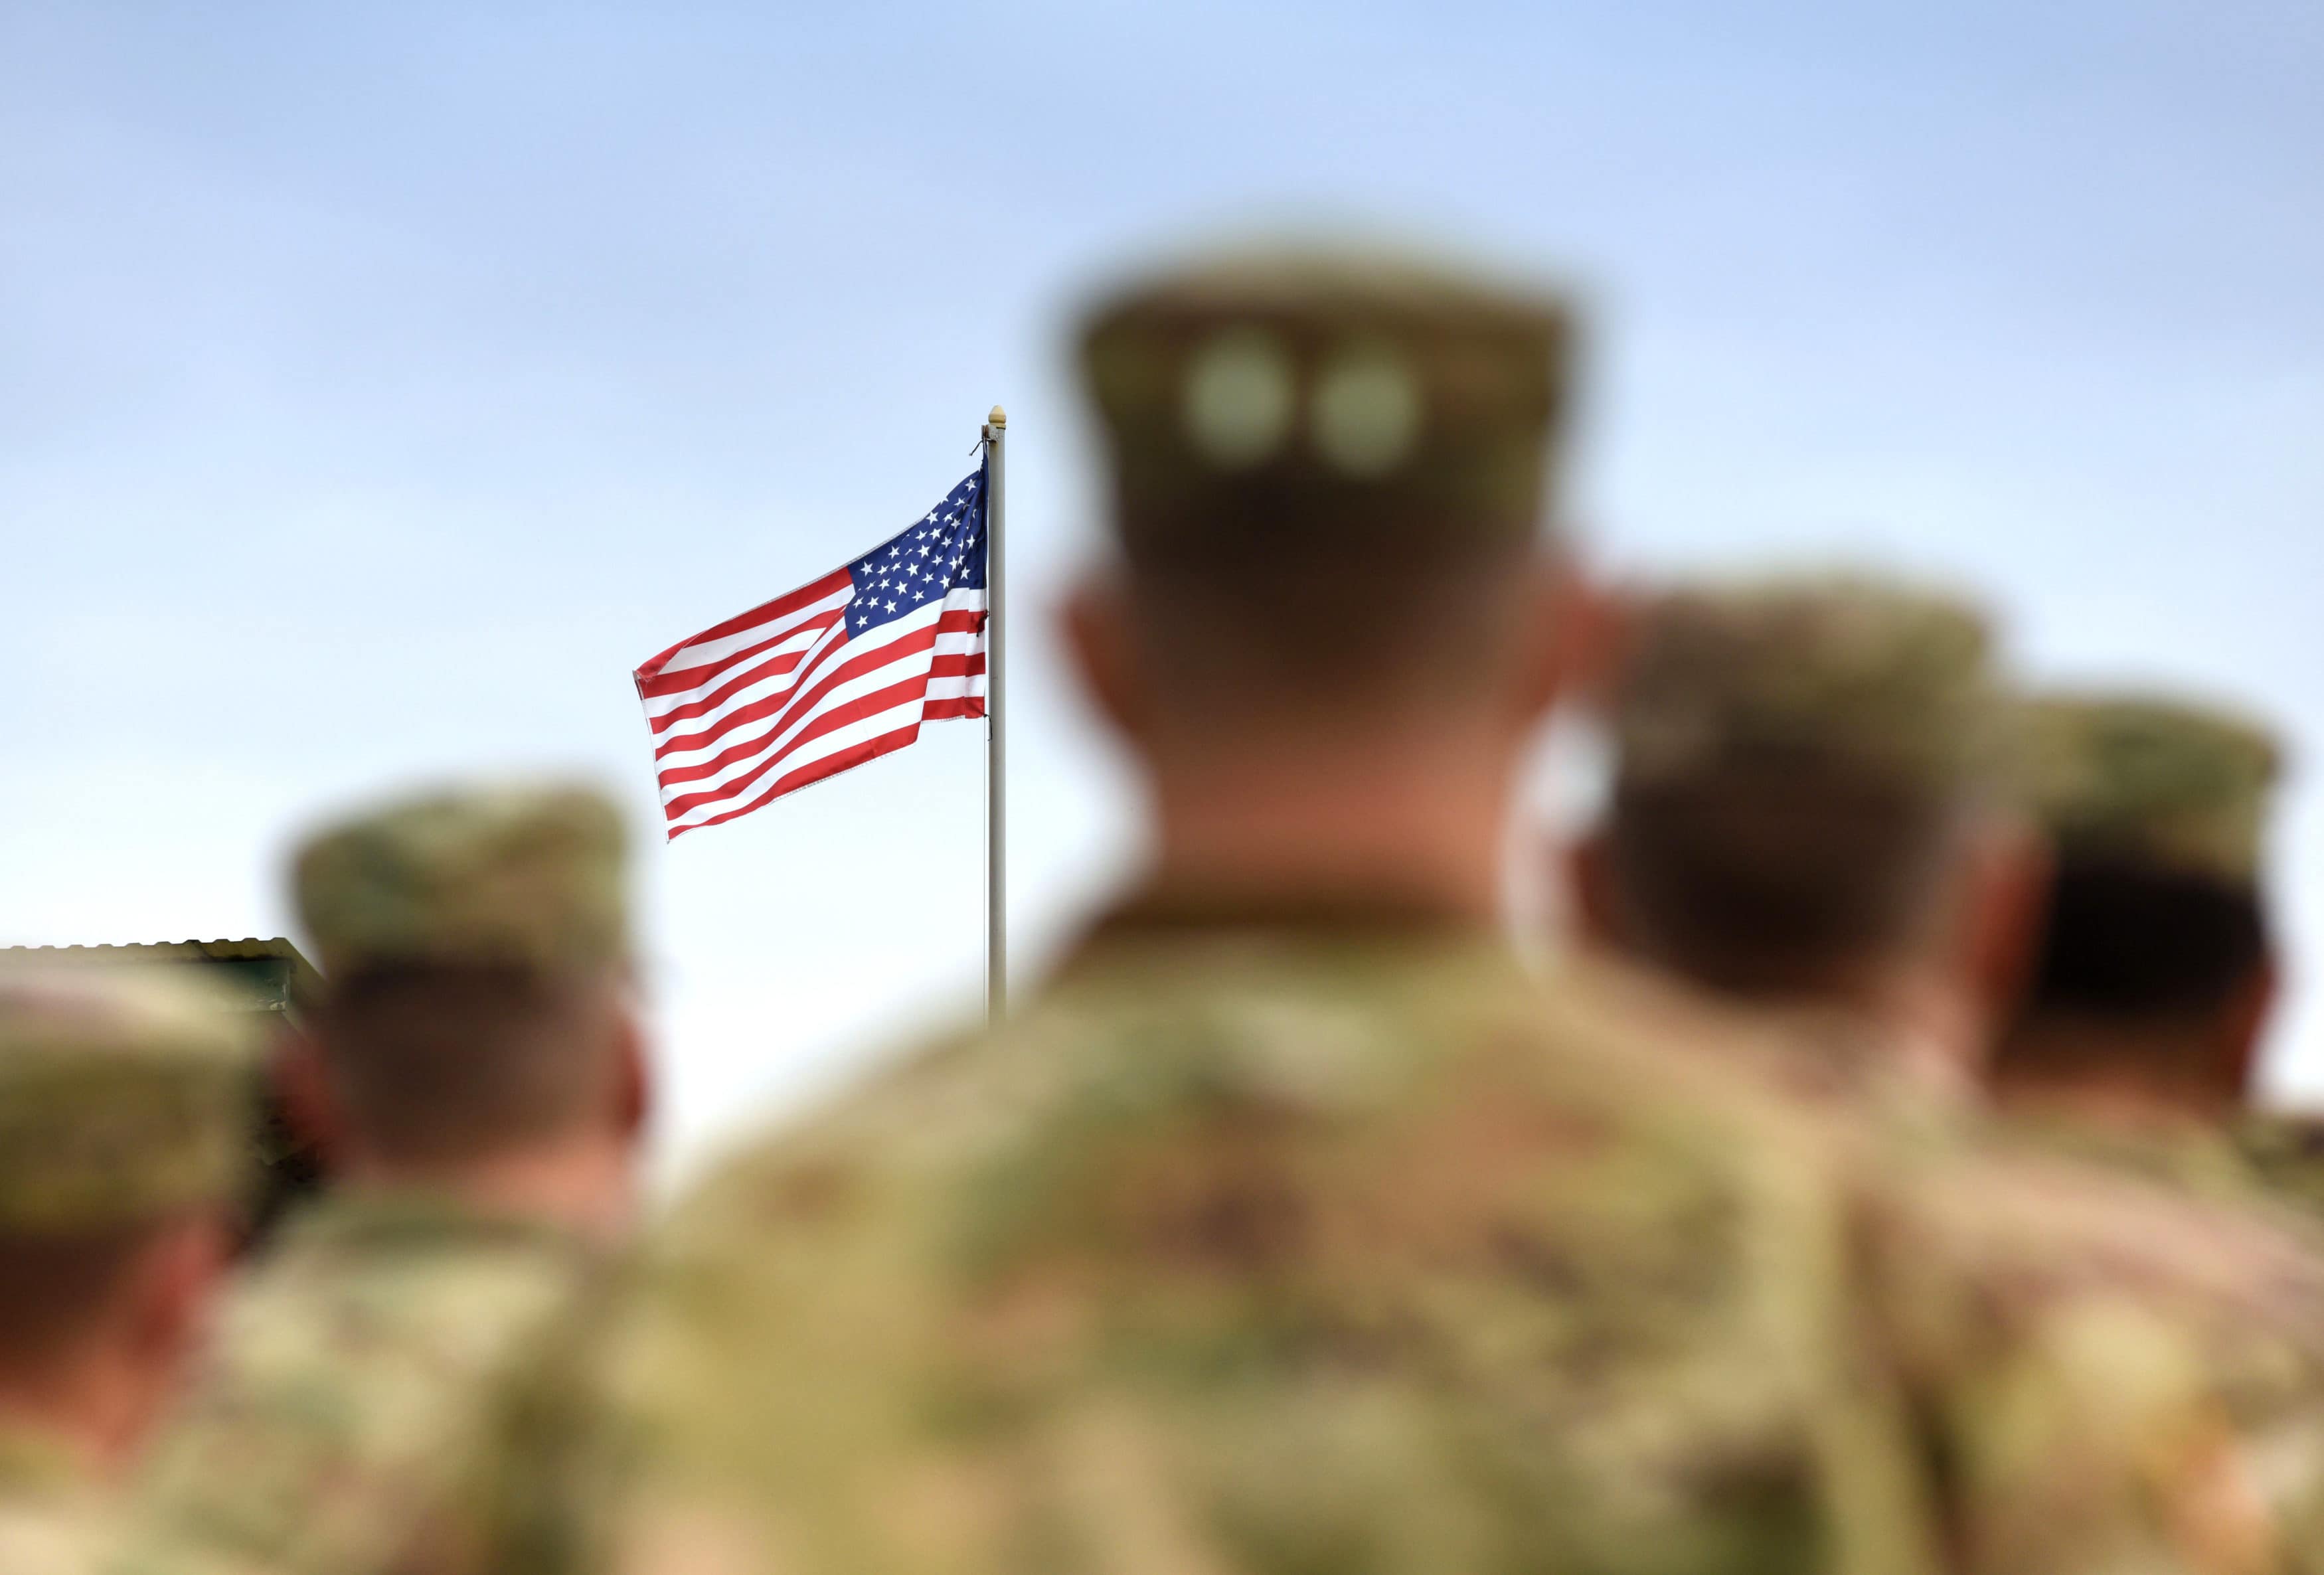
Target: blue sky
{"x":378,"y":384}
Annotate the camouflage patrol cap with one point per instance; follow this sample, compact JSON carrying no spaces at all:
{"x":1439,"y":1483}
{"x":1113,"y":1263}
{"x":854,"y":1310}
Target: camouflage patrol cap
{"x":1889,"y":679}
{"x":124,"y":1094}
{"x":2160,"y":780}
{"x":505,"y":875}
{"x":1250,"y":392}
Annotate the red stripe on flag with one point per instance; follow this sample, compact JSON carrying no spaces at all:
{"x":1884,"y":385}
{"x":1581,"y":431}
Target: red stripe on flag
{"x":816,"y":724}
{"x":887,"y":743}
{"x":839,"y":665}
{"x":806,"y":595}
{"x":710,"y":700}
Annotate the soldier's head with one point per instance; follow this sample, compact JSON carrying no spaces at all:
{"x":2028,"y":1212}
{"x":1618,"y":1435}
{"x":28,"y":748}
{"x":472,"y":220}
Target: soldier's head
{"x":1807,"y":792}
{"x":2156,"y":969}
{"x":1332,"y":472}
{"x":123,"y":1149}
{"x":478,"y":1003}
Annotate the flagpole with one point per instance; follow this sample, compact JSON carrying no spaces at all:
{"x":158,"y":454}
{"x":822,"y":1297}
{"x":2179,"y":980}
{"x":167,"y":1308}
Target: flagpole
{"x":996,"y":755}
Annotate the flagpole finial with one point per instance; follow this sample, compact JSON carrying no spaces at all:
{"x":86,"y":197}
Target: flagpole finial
{"x":1000,"y":418}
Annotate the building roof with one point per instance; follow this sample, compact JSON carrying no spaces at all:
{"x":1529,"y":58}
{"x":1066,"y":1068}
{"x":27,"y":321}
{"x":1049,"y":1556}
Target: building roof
{"x":277,"y":977}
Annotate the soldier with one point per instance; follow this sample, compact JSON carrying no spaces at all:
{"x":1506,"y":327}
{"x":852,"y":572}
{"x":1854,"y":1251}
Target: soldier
{"x":2137,"y":1041}
{"x":1813,"y":837}
{"x":476,"y":1076}
{"x":121,"y":1111}
{"x":1809,"y":822}
{"x":1290,"y":1228}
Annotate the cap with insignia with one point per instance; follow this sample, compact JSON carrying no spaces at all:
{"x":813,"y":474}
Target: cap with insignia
{"x":529,"y":877}
{"x":124,"y":1093}
{"x":1893,"y":681}
{"x":1246,"y":392}
{"x":2153,"y":779}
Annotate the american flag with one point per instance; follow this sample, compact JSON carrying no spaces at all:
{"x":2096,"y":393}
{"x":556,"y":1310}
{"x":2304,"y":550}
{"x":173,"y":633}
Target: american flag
{"x":838,"y":672}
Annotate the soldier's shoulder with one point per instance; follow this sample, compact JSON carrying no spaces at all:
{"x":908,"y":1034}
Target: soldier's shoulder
{"x":1124,"y":1237}
{"x":364,"y":1284}
{"x":1363,"y":1045}
{"x":346,"y":1381}
{"x":2033,"y":1250}
{"x":2076,"y":1324}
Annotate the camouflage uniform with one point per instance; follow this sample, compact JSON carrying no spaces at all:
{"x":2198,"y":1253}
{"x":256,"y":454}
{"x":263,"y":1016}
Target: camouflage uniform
{"x":121,"y":1102}
{"x":1259,"y":1242}
{"x":2169,"y":784}
{"x":343,"y":1395}
{"x":1298,"y":1239}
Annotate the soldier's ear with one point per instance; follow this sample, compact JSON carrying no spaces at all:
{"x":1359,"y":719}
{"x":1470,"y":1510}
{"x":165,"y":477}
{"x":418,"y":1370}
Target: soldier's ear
{"x":2003,"y":908}
{"x":633,"y":1086}
{"x":309,"y":1103}
{"x":164,"y":1310}
{"x":1590,"y":892}
{"x":1096,"y":623}
{"x":1570,"y":637}
{"x":2243,"y":1023}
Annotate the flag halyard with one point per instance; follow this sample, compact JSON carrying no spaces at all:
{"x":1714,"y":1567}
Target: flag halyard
{"x":840,"y":671}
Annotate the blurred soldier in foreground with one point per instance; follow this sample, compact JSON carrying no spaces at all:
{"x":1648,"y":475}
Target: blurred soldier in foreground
{"x":121,"y":1099}
{"x":2137,"y":1042}
{"x":476,"y":1078}
{"x":1291,"y":1228}
{"x":1808,"y":822}
{"x":1285,"y":1228}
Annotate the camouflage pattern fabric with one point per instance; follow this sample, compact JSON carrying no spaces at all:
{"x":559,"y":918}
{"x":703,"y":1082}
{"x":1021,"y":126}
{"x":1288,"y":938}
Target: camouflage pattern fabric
{"x":1896,"y":681}
{"x":344,"y":1394}
{"x":51,"y":1522}
{"x":1279,"y":1252}
{"x":123,"y":1096}
{"x":2048,"y":1297}
{"x":2158,"y":781}
{"x":2114,"y":1365}
{"x":2199,"y":1159}
{"x":1339,"y":393}
{"x":515,"y":875}
{"x":2285,"y":1149}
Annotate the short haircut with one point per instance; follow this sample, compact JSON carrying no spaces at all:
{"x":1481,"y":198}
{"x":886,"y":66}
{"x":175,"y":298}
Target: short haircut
{"x":453,"y":1061}
{"x":2127,"y":937}
{"x":1780,"y":872}
{"x":1297,"y":615}
{"x":58,"y":1282}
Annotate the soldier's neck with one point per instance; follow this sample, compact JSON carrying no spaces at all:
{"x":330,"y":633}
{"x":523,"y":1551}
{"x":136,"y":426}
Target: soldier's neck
{"x":588,"y":1186}
{"x":1404,"y":828}
{"x":1906,"y":1015}
{"x":1927,"y":1021}
{"x":2108,"y":1075}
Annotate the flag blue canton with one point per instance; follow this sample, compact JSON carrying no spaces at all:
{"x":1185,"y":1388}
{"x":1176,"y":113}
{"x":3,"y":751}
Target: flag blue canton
{"x":940,"y":552}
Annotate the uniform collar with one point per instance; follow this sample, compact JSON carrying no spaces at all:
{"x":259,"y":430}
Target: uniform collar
{"x":415,"y":1218}
{"x":1168,"y":915}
